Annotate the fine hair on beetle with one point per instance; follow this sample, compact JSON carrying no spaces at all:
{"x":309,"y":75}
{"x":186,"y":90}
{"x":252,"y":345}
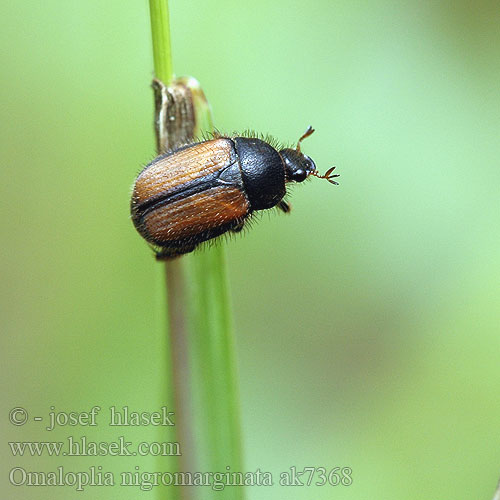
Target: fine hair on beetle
{"x":197,"y":192}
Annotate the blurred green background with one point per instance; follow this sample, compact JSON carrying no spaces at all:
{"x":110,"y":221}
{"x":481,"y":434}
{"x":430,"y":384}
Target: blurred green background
{"x":367,"y":321}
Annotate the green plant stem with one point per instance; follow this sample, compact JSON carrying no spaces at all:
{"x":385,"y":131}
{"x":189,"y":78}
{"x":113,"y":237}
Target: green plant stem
{"x":162,"y":50}
{"x":175,"y":331}
{"x":213,"y":368}
{"x":215,"y":388}
{"x":203,"y":357}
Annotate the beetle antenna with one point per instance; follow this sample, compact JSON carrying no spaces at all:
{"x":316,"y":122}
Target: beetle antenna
{"x":307,"y":133}
{"x":327,"y":175}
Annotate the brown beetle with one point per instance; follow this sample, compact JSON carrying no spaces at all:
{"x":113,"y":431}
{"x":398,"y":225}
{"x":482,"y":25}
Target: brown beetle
{"x":200,"y":191}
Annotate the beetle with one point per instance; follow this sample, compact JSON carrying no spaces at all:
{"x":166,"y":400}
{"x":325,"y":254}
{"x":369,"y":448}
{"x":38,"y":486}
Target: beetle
{"x":203,"y":190}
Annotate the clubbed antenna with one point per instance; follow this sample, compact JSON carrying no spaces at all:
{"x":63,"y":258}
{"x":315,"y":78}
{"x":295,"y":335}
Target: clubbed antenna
{"x":327,"y":175}
{"x":307,"y":133}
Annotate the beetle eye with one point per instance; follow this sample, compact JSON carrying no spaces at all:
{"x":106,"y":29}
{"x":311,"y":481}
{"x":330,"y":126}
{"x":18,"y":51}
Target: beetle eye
{"x":299,"y":175}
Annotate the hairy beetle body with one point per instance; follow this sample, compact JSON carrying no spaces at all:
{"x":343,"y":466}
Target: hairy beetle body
{"x":202,"y":190}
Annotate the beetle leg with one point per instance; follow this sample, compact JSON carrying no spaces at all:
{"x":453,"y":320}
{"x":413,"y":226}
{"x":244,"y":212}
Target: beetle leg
{"x":238,"y":227}
{"x":286,"y":207}
{"x":172,"y":253}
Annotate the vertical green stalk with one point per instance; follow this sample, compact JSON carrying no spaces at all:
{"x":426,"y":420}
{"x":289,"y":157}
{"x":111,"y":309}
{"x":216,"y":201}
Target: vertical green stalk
{"x":162,"y":56}
{"x":160,"y":31}
{"x":215,"y":390}
{"x":215,"y":397}
{"x":206,"y":394}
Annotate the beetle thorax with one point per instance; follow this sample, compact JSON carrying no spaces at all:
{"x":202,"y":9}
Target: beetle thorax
{"x":262,"y":172}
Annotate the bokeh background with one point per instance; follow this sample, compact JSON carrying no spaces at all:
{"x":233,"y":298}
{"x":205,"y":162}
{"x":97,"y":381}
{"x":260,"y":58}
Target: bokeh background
{"x":367,"y":321}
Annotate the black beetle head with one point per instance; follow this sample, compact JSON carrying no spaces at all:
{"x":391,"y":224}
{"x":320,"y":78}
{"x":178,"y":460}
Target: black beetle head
{"x":298,"y":166}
